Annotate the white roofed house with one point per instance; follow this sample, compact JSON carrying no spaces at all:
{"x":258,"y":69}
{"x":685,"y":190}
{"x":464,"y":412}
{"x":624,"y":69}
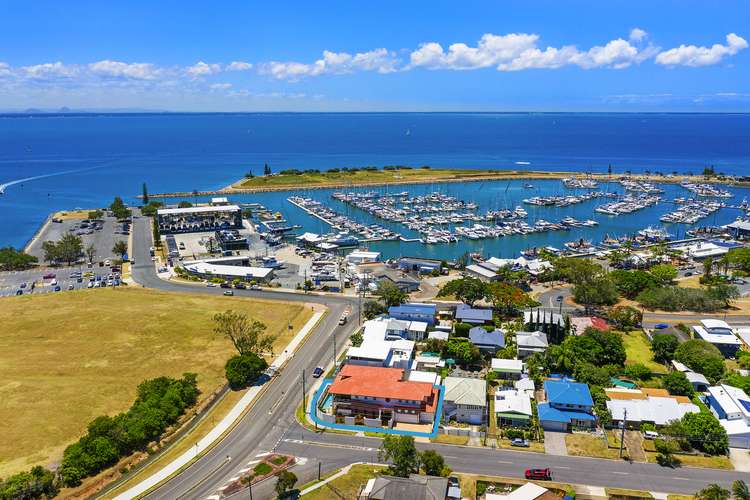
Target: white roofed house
{"x":465,"y":400}
{"x":508,"y":369}
{"x":512,"y":408}
{"x":731,"y":405}
{"x":720,"y":334}
{"x":378,"y":348}
{"x":651,"y":409}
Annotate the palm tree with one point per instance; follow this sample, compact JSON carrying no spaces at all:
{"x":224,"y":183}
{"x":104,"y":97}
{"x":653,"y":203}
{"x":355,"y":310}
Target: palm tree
{"x":712,"y":492}
{"x":740,"y":490}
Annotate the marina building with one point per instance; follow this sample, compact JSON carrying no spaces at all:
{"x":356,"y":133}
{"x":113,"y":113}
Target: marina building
{"x":198,"y":219}
{"x":228,"y":268}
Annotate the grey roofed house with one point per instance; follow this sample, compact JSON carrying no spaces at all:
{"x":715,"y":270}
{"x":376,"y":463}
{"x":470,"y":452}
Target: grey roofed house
{"x":468,"y":314}
{"x":415,"y":487}
{"x":700,"y":383}
{"x":484,"y":340}
{"x":403,"y":281}
{"x":530,"y":342}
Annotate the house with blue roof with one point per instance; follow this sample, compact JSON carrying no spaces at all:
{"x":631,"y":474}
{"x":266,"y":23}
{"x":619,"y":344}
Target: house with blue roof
{"x":569,"y":406}
{"x":468,"y":314}
{"x":414,"y":311}
{"x":487,"y":341}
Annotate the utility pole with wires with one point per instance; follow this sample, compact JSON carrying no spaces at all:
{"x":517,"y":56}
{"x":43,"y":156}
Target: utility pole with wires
{"x":622,"y":433}
{"x":304,"y":393}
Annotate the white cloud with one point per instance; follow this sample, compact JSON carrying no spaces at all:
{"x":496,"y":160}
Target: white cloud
{"x":117,"y":69}
{"x":49,"y":71}
{"x":691,"y":55}
{"x":200,"y":69}
{"x":637,"y":35}
{"x":5,"y":69}
{"x":220,"y":86}
{"x":519,"y":51}
{"x":239,"y":66}
{"x":379,"y":60}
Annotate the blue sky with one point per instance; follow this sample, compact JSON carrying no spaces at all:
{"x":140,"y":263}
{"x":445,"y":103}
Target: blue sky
{"x":615,"y":55}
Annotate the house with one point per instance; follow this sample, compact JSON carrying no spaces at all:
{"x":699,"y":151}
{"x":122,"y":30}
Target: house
{"x":526,"y":384}
{"x":482,"y":272}
{"x":528,"y":343}
{"x":512,"y":408}
{"x":414,"y":311}
{"x":383,"y":395}
{"x":381,"y":346}
{"x":428,"y":361}
{"x":636,"y":407}
{"x":579,"y":324}
{"x":508,"y":369}
{"x":362,"y":257}
{"x":468,"y":314}
{"x":309,"y":239}
{"x":422,"y":376}
{"x":569,"y":406}
{"x":720,"y":334}
{"x":439,"y":334}
{"x":224,"y":268}
{"x":404,"y":282}
{"x":487,"y":341}
{"x":528,"y":491}
{"x":415,"y":487}
{"x":397,"y":328}
{"x":698,"y":381}
{"x":532,"y":266}
{"x":731,"y":405}
{"x":465,"y":400}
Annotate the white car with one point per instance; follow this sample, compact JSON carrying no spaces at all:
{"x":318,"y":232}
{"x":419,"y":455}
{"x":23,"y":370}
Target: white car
{"x":212,"y":285}
{"x":90,"y":285}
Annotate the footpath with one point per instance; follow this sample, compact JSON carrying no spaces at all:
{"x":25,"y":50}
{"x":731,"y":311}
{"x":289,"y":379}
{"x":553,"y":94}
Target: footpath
{"x":226,"y":423}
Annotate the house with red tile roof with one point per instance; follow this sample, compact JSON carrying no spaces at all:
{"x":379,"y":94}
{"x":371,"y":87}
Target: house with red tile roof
{"x":579,"y":324}
{"x":375,"y":392}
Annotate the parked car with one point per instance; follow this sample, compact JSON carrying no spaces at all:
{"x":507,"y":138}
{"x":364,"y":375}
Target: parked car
{"x":255,"y":287}
{"x":211,"y":285}
{"x":19,"y":292}
{"x":57,"y":288}
{"x":225,"y":285}
{"x":739,"y":281}
{"x":22,"y":285}
{"x":650,"y":434}
{"x":317,"y":372}
{"x":543,"y":474}
{"x":48,"y":276}
{"x":241,"y":286}
{"x":79,"y":280}
{"x":523,"y":443}
{"x":689,"y":273}
{"x":71,"y":287}
{"x":90,"y":285}
{"x":228,"y":292}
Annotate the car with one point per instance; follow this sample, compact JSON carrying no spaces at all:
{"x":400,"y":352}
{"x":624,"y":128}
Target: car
{"x":107,"y":262}
{"x":116,"y":283}
{"x":228,"y":293}
{"x":53,"y":283}
{"x":98,"y":278}
{"x":110,"y":282}
{"x":79,"y":280}
{"x":90,"y":285}
{"x":523,"y":443}
{"x":543,"y":474}
{"x":19,"y":292}
{"x":211,"y":285}
{"x":739,"y":281}
{"x":255,"y":287}
{"x":661,"y":326}
{"x":317,"y":372}
{"x":57,"y":288}
{"x":650,"y":435}
{"x":225,"y":285}
{"x":241,"y":286}
{"x":688,"y":273}
{"x":49,"y":276}
{"x":71,"y":287}
{"x":22,"y":285}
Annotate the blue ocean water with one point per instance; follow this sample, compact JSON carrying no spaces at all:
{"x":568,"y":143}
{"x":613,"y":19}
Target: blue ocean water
{"x":92,"y":158}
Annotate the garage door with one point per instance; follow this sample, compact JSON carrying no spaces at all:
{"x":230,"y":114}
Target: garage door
{"x":406,"y":418}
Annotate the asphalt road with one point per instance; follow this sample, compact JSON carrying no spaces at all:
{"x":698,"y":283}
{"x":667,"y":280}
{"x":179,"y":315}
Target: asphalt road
{"x":271,"y":426}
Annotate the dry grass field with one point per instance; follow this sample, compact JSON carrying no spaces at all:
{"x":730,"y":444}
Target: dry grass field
{"x":66,"y":358}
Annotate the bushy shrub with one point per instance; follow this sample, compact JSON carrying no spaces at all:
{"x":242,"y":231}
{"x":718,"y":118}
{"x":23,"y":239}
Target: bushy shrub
{"x":244,"y":369}
{"x":702,"y":357}
{"x":672,"y":298}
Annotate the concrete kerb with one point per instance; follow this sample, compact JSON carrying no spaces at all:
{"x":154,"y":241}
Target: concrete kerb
{"x":233,"y":424}
{"x":361,"y":428}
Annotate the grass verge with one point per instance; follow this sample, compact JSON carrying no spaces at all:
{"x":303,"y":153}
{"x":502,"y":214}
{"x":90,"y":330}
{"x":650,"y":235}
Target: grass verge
{"x":584,"y":445}
{"x":709,"y":462}
{"x":448,"y":439}
{"x":346,"y":486}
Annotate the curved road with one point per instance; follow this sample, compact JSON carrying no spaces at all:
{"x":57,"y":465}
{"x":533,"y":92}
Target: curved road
{"x":270,"y":425}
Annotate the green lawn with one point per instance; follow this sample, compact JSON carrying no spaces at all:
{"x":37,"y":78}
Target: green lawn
{"x":638,"y":350}
{"x":346,"y":486}
{"x":585,"y":445}
{"x":67,"y":358}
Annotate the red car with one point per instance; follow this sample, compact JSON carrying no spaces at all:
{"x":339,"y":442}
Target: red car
{"x":543,"y":474}
{"x":49,"y":276}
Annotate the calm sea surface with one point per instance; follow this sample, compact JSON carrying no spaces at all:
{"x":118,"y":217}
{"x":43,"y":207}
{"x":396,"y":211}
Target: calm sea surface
{"x":85,"y":160}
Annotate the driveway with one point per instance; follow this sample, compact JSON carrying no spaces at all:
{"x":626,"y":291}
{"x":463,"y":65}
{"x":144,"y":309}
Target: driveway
{"x":554,"y":443}
{"x":740,"y":459}
{"x":634,"y":444}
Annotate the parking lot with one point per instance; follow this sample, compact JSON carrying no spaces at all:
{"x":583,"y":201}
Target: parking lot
{"x":102,"y":235}
{"x":49,"y":279}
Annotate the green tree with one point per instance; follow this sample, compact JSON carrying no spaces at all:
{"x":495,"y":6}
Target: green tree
{"x":702,"y":357}
{"x":119,"y":210}
{"x":663,"y":273}
{"x":631,"y":283}
{"x":243,"y":370}
{"x":95,"y":214}
{"x":712,"y":492}
{"x":120,"y":248}
{"x":433,"y":463}
{"x":677,"y":384}
{"x":247,"y":335}
{"x":285,"y":481}
{"x":402,"y":453}
{"x":740,"y":490}
{"x":625,"y":317}
{"x":156,"y":234}
{"x":357,"y":338}
{"x":638,"y":371}
{"x":15,"y":260}
{"x":724,"y":293}
{"x":373,"y":309}
{"x":663,"y":347}
{"x":184,"y":204}
{"x":391,"y":294}
{"x":600,"y":291}
{"x":704,"y":432}
{"x":467,"y":290}
{"x":68,"y":249}
{"x":463,"y":351}
{"x":38,"y":483}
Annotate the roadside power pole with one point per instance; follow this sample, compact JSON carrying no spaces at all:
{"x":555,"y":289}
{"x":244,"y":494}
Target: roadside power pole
{"x":318,"y":471}
{"x":304,"y":393}
{"x":622,"y":433}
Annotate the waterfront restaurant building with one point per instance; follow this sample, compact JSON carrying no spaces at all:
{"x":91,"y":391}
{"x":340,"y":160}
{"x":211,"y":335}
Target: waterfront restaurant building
{"x":384,"y":394}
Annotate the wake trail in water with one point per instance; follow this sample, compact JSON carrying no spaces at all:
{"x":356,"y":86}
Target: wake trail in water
{"x":44,"y":176}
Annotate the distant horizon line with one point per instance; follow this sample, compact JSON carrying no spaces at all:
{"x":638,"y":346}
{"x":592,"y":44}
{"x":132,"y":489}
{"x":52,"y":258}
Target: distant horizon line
{"x":73,"y":112}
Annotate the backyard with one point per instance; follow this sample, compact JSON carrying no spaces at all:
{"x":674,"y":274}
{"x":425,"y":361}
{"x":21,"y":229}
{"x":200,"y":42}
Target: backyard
{"x":66,"y":358}
{"x":638,"y":350}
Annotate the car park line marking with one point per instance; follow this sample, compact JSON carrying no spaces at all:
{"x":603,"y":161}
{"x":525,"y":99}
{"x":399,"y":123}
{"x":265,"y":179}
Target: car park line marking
{"x":504,"y":462}
{"x":562,"y":467}
{"x":681,"y":478}
{"x":621,"y":473}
